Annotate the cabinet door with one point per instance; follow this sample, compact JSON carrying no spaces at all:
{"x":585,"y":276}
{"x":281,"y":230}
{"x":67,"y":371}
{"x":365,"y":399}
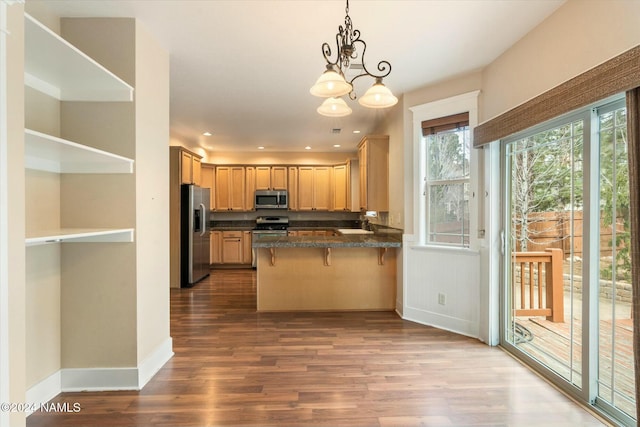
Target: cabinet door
{"x":231,"y":247}
{"x":196,"y":171}
{"x":340,"y":188}
{"x":279,"y":178}
{"x":322,"y":188}
{"x":362,"y":161}
{"x":293,"y":188}
{"x":246,"y":247}
{"x":216,"y":247}
{"x":223,"y":186}
{"x":237,"y":188}
{"x":305,"y":188}
{"x":208,"y":181}
{"x":305,"y":232}
{"x":263,"y":178}
{"x":250,"y":188}
{"x":186,"y":168}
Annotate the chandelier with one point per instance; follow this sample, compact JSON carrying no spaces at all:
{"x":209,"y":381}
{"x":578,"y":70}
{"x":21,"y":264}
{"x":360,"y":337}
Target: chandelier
{"x":332,"y":84}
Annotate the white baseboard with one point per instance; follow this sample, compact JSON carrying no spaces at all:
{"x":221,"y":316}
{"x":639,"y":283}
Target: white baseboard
{"x":451,"y":324}
{"x":101,"y":379}
{"x":44,"y":390}
{"x":152,"y":364}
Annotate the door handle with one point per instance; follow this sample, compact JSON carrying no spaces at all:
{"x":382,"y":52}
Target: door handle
{"x":205,"y":220}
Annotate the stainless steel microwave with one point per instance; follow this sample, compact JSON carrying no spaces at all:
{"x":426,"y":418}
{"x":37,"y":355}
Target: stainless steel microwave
{"x":269,"y":199}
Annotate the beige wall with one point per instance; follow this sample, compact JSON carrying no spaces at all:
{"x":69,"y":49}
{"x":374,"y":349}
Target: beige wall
{"x":578,"y":36}
{"x":152,"y":192}
{"x":99,"y":280}
{"x":15,"y":232}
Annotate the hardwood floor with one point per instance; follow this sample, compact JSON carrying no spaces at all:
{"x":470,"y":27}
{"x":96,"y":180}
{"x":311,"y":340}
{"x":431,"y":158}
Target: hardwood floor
{"x":235,"y":367}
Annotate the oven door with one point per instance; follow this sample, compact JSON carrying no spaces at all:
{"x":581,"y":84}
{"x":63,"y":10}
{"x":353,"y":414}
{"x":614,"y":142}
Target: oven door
{"x":255,"y":234}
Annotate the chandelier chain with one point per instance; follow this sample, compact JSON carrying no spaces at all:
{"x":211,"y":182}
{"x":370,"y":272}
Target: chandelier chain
{"x":347,"y":38}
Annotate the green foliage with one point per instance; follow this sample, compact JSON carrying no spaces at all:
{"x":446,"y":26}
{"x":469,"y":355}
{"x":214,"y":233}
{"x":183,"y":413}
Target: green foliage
{"x":547,"y":176}
{"x":614,"y":190}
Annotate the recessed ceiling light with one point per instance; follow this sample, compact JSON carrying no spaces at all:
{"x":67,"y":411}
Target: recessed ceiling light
{"x":307,"y":148}
{"x":336,"y":145}
{"x":356,"y":131}
{"x":261,"y":148}
{"x":206,"y":133}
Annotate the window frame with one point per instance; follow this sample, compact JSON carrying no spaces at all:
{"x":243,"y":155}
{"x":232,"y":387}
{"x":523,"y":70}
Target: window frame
{"x":463,"y":103}
{"x":430,"y":183}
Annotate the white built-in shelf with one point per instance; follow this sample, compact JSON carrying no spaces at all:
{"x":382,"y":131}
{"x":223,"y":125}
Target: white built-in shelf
{"x":81,"y":235}
{"x":57,"y":68}
{"x":52,"y":154}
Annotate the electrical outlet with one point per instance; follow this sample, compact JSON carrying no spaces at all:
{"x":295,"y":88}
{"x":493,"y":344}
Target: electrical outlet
{"x":442,"y":299}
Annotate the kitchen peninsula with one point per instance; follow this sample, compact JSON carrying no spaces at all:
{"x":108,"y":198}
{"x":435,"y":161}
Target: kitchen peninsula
{"x":342,"y":272}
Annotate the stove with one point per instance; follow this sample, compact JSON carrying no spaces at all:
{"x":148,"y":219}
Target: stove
{"x":272,"y":223}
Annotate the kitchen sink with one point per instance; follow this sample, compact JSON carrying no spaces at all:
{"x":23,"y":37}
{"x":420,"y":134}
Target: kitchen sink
{"x":354,"y":231}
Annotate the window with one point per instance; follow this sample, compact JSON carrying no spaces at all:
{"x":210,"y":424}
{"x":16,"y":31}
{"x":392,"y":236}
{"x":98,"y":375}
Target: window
{"x":448,"y":155}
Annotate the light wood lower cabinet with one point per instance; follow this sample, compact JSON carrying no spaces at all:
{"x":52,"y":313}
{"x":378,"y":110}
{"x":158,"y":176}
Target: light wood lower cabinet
{"x":246,"y":247}
{"x":215,"y":256}
{"x":231,"y":247}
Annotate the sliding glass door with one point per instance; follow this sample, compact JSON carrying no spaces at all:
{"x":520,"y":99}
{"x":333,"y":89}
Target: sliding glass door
{"x":566,"y":294}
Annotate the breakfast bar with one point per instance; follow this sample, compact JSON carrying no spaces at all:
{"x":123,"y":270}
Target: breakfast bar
{"x":343,"y":272}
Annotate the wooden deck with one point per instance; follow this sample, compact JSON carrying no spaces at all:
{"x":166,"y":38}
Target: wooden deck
{"x":550,"y":344}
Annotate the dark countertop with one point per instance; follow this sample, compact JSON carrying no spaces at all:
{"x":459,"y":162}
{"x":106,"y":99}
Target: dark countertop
{"x":377,"y":240}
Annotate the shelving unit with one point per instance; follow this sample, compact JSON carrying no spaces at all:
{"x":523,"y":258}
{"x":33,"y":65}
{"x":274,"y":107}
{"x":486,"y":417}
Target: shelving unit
{"x":78,"y":235}
{"x":57,"y":68}
{"x":52,"y":154}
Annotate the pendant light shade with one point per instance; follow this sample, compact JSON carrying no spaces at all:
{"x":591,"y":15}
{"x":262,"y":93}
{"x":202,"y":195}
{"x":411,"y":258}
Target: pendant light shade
{"x":330,"y":84}
{"x":378,"y":96}
{"x":334,"y":107}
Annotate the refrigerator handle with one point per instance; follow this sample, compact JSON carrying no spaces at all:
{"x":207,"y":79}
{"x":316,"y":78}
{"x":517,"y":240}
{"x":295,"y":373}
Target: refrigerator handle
{"x":204,"y":219}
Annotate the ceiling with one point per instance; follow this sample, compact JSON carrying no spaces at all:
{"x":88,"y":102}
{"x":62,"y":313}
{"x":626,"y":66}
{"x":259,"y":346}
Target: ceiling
{"x":242,"y":69}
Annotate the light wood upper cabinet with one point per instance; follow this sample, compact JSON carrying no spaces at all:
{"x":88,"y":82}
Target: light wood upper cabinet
{"x":250,"y":187}
{"x":271,"y":178}
{"x":314,"y":188}
{"x":279,"y":178}
{"x":341,"y":187}
{"x":196,"y":171}
{"x":263,"y":178}
{"x":230,"y":188}
{"x":322,"y":187}
{"x":190,"y":168}
{"x":208,"y":180}
{"x":293,"y":188}
{"x":373,"y":156}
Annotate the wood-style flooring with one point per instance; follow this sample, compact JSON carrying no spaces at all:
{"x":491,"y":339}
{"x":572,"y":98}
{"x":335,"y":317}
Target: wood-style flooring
{"x":236,"y":367}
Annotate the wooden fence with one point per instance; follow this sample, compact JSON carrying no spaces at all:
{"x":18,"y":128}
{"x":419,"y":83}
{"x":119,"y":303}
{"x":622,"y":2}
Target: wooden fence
{"x":554,"y":229}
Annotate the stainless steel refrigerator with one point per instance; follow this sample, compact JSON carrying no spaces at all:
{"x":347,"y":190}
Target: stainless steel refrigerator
{"x":194,"y":234}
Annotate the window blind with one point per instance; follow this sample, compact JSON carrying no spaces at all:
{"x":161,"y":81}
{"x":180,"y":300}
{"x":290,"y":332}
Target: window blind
{"x":617,"y":75}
